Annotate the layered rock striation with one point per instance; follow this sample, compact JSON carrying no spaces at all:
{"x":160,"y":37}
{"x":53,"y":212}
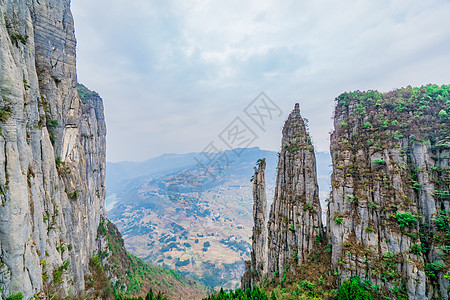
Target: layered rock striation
{"x":52,"y":153}
{"x":257,"y":266}
{"x":389,"y":210}
{"x":388,"y":219}
{"x":295,"y":216}
{"x":294,"y":225}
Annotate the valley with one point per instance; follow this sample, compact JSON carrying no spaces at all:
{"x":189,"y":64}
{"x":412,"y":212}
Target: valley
{"x":180,"y":216}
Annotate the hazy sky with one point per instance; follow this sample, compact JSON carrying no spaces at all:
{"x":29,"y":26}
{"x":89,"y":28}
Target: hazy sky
{"x":174,"y":74}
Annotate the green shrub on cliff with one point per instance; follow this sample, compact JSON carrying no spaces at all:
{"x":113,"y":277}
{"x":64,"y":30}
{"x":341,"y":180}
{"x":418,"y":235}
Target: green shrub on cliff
{"x":17,"y":296}
{"x":352,"y":289}
{"x":406,"y":219}
{"x":254,"y":294}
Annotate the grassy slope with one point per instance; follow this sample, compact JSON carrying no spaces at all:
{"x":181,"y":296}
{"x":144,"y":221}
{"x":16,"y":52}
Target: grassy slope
{"x":133,"y":277}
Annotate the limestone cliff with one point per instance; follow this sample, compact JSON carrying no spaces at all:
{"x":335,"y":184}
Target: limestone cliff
{"x":295,"y":216}
{"x":389,"y":211}
{"x":294,"y":226}
{"x":388,"y":219}
{"x":257,"y":266}
{"x":52,"y":153}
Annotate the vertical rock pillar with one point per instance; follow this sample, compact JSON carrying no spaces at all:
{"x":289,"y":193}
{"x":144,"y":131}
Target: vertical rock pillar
{"x":295,"y":222}
{"x":257,"y":266}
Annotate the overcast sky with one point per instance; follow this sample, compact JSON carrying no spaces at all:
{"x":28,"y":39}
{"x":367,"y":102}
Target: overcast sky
{"x":174,"y":74}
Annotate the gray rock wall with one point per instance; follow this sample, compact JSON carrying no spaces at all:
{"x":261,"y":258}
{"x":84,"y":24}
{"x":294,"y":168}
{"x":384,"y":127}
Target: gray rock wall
{"x":257,"y":266}
{"x":52,"y":152}
{"x":388,"y":219}
{"x":390,"y":158}
{"x":295,"y":222}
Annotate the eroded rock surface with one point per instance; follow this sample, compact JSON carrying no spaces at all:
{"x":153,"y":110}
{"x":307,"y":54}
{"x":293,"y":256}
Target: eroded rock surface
{"x":388,"y":218}
{"x":52,"y":152}
{"x":294,"y":226}
{"x":390,"y":187}
{"x":295,"y":216}
{"x":257,"y":266}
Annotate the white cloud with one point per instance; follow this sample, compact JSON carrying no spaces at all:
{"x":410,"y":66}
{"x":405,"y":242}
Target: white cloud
{"x":174,"y":73}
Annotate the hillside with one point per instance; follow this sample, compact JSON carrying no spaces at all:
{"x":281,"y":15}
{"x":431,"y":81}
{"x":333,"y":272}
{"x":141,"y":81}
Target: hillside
{"x":116,"y":273}
{"x":178,"y":215}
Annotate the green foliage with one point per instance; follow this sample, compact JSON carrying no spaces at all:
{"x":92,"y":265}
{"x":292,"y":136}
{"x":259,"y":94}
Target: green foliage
{"x":132,"y":273}
{"x":432,"y":269}
{"x":338,"y":220}
{"x":397,"y":136}
{"x":416,"y":249}
{"x":51,"y":123}
{"x":369,"y":229}
{"x":182,"y":263}
{"x":5,"y":113}
{"x":101,"y":231}
{"x":442,"y":221}
{"x":255,"y":294}
{"x":57,"y":276}
{"x":379,"y":161}
{"x":73,"y":195}
{"x":361,"y":109}
{"x":260,"y":161}
{"x":18,"y":296}
{"x":443,"y":114}
{"x":352,"y":289}
{"x":59,"y":272}
{"x":273,"y":296}
{"x":149,"y":296}
{"x":85,"y":93}
{"x":51,"y":127}
{"x":367,"y":125}
{"x":26,"y":85}
{"x":17,"y":37}
{"x":406,"y":219}
{"x":372,"y":205}
{"x":442,"y":194}
{"x":352,"y":199}
{"x":291,"y":227}
{"x":399,"y":119}
{"x":59,"y":161}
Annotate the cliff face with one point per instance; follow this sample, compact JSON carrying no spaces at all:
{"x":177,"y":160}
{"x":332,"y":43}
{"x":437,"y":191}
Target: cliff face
{"x":257,"y":266}
{"x":294,"y":226}
{"x":52,"y":158}
{"x":388,"y":219}
{"x":389,"y":212}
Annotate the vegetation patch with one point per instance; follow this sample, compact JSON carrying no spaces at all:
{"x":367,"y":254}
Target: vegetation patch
{"x":134,"y":276}
{"x":352,"y":289}
{"x":406,"y":219}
